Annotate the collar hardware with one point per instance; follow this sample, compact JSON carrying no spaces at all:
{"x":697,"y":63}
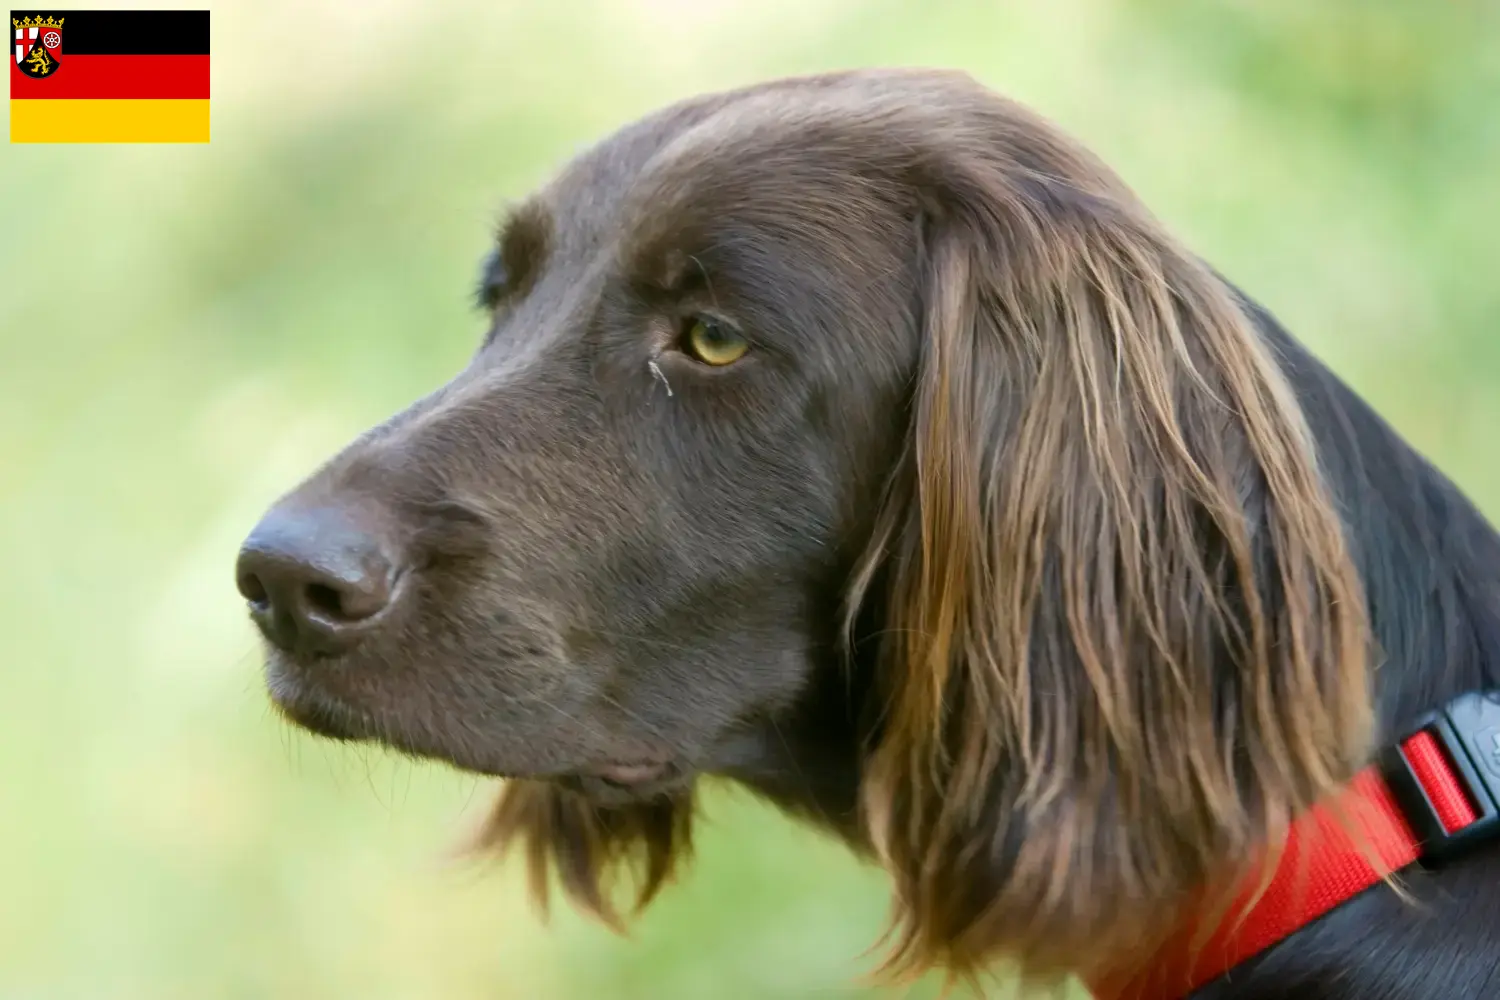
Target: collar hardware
{"x":1466,"y":732}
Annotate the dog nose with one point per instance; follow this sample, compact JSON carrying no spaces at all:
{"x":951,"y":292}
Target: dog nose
{"x":314,"y":579}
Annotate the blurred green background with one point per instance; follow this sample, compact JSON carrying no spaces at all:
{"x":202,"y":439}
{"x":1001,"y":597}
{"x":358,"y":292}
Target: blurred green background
{"x":188,"y":330}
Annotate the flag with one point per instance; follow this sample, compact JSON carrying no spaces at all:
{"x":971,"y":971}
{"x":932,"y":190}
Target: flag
{"x":109,"y":76}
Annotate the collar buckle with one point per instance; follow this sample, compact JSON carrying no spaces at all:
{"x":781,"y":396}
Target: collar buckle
{"x":1467,"y":730}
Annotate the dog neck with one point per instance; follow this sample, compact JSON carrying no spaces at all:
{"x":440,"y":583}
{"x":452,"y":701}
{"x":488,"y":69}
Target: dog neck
{"x":1429,"y":560}
{"x":1430,"y":563}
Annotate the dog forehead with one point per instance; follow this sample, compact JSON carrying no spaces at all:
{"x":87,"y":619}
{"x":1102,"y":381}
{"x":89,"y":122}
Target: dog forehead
{"x":591,"y":186}
{"x":804,"y":133}
{"x":719,"y":117}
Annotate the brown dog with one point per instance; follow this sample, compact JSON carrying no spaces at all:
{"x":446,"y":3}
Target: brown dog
{"x":865,"y":440}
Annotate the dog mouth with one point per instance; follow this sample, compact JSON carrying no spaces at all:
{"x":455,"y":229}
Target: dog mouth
{"x":607,"y":781}
{"x":623,"y":783}
{"x":627,"y":775}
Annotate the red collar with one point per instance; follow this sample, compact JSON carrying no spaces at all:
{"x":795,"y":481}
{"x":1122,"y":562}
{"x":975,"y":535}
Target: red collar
{"x":1432,"y":793}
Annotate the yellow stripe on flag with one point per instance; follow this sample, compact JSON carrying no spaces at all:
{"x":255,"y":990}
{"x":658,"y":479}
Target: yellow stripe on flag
{"x":109,"y":121}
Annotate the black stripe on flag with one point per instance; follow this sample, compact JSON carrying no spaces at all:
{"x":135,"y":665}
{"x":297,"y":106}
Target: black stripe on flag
{"x":129,"y":32}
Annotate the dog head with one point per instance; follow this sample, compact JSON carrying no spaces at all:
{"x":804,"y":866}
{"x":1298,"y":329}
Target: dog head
{"x":871,"y":374}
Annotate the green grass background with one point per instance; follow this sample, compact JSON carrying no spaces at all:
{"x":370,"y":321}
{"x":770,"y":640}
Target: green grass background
{"x":188,"y":330}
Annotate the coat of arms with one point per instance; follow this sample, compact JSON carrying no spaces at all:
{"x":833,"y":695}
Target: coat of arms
{"x":38,"y":44}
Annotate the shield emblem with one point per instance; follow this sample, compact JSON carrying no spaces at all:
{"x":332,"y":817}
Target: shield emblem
{"x":39,"y":48}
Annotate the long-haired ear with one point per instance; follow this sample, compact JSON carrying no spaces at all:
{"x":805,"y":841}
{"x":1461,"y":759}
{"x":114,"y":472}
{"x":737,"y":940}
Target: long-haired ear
{"x":589,"y":844}
{"x":1125,"y":638}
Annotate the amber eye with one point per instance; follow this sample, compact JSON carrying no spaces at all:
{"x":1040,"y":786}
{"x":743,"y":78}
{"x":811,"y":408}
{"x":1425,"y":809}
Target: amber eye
{"x":712,"y":342}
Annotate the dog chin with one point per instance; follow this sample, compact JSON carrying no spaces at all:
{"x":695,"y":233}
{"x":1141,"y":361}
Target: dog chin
{"x":313,"y":710}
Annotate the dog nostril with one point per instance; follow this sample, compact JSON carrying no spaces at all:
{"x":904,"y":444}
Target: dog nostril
{"x":327,"y":600}
{"x":252,"y":590}
{"x":347,"y":603}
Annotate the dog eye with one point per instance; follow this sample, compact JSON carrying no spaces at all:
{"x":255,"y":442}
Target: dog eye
{"x":712,"y":342}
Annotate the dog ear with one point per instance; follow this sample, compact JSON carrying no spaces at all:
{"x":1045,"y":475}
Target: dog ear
{"x":589,"y":844}
{"x":1126,"y":638}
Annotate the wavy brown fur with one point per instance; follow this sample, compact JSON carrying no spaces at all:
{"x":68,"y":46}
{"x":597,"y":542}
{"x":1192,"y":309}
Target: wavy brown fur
{"x":1109,"y":494}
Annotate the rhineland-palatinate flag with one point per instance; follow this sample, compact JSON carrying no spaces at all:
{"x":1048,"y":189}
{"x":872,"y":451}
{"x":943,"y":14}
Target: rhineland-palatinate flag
{"x":109,"y":76}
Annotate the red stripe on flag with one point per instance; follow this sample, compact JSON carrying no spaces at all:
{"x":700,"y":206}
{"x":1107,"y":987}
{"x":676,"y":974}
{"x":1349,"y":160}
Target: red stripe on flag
{"x":158,"y":77}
